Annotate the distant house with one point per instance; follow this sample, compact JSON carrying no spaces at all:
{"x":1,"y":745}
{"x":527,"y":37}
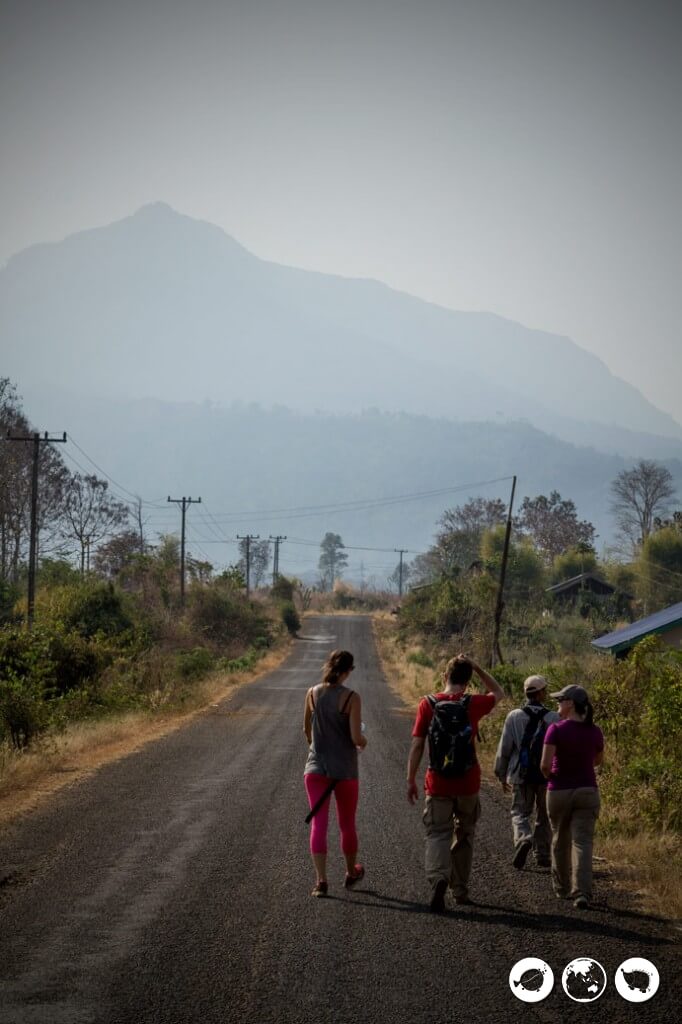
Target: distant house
{"x":667,"y":624}
{"x":575,"y":586}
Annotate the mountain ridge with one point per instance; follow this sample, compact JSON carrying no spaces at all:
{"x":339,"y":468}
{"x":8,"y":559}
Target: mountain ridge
{"x":196,"y":315}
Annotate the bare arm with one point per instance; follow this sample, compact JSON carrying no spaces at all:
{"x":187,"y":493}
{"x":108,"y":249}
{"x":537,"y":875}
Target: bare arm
{"x":355,"y":719}
{"x":413,"y":762}
{"x":598,"y":758}
{"x":548,"y":752}
{"x":491,"y":685}
{"x":308,"y":717}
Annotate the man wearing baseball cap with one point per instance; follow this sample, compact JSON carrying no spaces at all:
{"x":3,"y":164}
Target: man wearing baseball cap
{"x":517,"y":766}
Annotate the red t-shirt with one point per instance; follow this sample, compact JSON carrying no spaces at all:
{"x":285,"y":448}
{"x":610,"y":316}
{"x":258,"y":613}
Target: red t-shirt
{"x":467,"y":785}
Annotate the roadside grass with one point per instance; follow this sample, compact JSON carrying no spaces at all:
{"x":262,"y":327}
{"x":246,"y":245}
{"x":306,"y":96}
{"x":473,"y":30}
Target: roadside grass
{"x":646,"y":865}
{"x":60,"y":757}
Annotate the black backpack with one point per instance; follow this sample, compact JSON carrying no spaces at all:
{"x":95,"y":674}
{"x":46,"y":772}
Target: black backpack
{"x":451,"y":738}
{"x":532,"y":743}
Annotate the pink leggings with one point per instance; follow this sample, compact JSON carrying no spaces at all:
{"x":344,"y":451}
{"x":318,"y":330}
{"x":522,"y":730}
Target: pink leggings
{"x":346,"y":793}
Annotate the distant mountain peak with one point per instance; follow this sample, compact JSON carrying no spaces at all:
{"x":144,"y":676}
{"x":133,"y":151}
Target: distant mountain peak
{"x":157,"y":208}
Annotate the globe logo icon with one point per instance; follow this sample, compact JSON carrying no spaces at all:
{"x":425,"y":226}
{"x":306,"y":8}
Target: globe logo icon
{"x":637,"y":979}
{"x":531,"y":979}
{"x":584,"y":979}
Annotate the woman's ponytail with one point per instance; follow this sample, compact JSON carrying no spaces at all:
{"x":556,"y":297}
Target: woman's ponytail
{"x":338,"y":664}
{"x":585,"y":710}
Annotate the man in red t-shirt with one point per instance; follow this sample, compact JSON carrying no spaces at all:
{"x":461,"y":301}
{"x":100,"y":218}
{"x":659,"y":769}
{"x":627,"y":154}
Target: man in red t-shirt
{"x":452,"y":805}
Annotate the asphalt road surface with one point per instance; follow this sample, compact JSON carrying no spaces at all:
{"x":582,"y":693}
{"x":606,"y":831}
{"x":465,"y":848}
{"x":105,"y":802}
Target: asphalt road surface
{"x":174,"y":887}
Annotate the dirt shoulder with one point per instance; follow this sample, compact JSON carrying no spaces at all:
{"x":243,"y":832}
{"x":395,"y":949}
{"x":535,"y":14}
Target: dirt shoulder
{"x":30,"y":777}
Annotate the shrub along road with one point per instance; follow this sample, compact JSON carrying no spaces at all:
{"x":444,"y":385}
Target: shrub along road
{"x":173,"y":886}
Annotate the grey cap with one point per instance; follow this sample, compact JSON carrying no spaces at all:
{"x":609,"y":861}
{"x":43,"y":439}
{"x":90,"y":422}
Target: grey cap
{"x":572,"y":693}
{"x":534,"y":684}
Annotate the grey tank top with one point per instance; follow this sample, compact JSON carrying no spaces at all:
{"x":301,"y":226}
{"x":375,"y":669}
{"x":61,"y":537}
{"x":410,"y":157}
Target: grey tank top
{"x":332,"y":751}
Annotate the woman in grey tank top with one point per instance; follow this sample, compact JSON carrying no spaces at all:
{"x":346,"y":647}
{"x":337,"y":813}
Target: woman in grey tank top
{"x":332,"y":723}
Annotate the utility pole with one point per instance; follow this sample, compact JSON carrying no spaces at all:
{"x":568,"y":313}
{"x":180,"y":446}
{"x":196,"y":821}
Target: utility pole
{"x":248,"y":538}
{"x":499,"y":606}
{"x":401,"y":552}
{"x":36,"y":440}
{"x":275,"y":558}
{"x":184,"y":502}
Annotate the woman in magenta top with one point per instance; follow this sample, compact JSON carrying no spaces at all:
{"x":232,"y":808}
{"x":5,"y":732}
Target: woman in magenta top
{"x":573,"y":748}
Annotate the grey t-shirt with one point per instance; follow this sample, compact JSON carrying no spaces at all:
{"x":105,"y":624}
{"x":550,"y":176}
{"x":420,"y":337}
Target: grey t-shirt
{"x":332,"y":752}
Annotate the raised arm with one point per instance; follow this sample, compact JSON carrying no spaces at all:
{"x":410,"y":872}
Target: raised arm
{"x":489,"y":682}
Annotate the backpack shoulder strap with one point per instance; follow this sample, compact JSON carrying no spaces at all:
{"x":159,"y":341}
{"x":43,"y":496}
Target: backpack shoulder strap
{"x":432,"y":700}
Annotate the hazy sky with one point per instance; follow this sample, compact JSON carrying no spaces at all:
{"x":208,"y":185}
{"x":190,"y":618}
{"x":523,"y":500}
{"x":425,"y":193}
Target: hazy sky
{"x":516,"y":156}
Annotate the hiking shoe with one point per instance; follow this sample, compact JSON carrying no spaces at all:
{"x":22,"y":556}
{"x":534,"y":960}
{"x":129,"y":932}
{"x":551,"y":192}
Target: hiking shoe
{"x":581,"y":903}
{"x":437,"y":904}
{"x":521,"y":854}
{"x":352,"y":879}
{"x":464,"y":900}
{"x":320,"y":889}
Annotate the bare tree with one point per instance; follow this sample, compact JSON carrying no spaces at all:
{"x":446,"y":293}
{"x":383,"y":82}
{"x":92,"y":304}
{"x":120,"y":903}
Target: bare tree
{"x":259,"y":560}
{"x":638,"y":496}
{"x":16,"y":484}
{"x":552,"y":524}
{"x":90,"y":513}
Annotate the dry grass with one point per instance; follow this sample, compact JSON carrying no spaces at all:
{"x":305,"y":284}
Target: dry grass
{"x":28,"y":777}
{"x":647,"y":866}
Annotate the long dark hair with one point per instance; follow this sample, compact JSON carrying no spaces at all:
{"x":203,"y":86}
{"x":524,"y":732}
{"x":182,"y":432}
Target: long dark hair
{"x":337,"y":664}
{"x":583,"y":707}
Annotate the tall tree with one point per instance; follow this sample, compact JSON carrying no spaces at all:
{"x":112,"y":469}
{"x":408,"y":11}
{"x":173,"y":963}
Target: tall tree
{"x":16,"y":487}
{"x":259,"y":560}
{"x":552,"y":524}
{"x":461,"y":529}
{"x":660,"y":568}
{"x":638,"y":496}
{"x":90,"y":513}
{"x":333,"y":559}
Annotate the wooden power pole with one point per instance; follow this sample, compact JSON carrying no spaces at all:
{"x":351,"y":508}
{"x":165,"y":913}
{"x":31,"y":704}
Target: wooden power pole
{"x":183,"y":502}
{"x":499,"y":605}
{"x":275,"y":557}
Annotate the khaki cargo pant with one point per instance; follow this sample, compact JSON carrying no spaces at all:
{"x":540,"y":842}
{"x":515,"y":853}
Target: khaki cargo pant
{"x":450,"y":823}
{"x":573,"y":814}
{"x":526,"y":799}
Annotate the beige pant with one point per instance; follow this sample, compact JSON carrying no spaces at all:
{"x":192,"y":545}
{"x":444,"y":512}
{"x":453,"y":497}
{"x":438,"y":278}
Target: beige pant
{"x":573,"y":814}
{"x":450,"y":823}
{"x":527,"y":800}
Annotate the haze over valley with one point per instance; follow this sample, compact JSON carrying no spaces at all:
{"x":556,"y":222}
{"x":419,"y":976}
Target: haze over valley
{"x":172,"y":355}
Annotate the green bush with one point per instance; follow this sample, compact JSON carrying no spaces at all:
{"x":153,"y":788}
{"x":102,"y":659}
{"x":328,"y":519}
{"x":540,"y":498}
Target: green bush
{"x":510,"y":679}
{"x":282,"y":589}
{"x":290,"y":617}
{"x":195,"y":663}
{"x":420,"y":658}
{"x":52,"y":659}
{"x":222,"y":615}
{"x":23,"y":712}
{"x":92,"y":609}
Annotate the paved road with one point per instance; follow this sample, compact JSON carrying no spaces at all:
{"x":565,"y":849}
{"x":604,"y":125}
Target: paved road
{"x":173,"y":886}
